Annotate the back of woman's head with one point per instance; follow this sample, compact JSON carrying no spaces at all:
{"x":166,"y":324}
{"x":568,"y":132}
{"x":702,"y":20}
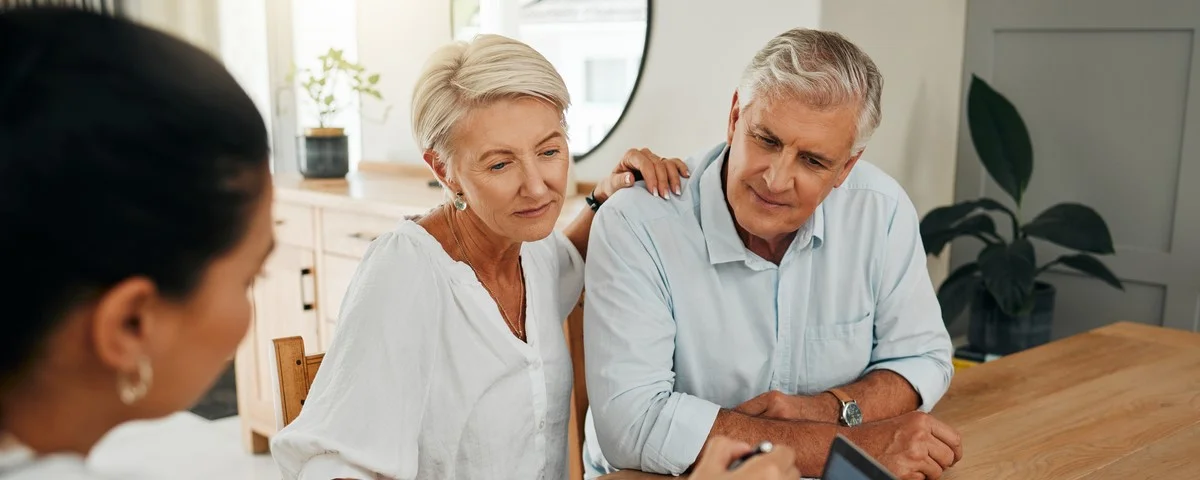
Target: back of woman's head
{"x":124,"y":153}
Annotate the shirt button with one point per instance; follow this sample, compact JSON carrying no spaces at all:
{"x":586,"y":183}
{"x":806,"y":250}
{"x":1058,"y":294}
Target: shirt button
{"x":541,"y":424}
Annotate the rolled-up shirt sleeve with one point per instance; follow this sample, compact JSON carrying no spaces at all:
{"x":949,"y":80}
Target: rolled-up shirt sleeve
{"x":911,"y":338}
{"x":364,"y":411}
{"x":629,"y":343}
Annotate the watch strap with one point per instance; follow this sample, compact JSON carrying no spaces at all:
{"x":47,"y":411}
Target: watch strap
{"x":841,"y":395}
{"x":591,"y":201}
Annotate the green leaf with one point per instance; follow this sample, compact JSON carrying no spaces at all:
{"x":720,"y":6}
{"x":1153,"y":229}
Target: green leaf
{"x":957,"y":291}
{"x":373,"y":79}
{"x":1008,"y":272}
{"x":1090,"y":265}
{"x":328,"y":100}
{"x":980,"y":225}
{"x":942,"y":218}
{"x":1000,"y":138}
{"x":1073,"y":226}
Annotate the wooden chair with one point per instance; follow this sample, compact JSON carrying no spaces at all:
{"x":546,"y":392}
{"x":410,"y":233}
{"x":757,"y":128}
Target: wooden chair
{"x":573,"y":329}
{"x":296,"y":373}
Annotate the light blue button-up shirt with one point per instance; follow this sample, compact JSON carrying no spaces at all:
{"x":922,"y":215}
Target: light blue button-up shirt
{"x":682,"y":320}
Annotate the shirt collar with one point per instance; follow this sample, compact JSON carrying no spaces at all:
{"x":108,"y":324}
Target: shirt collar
{"x":716,"y":220}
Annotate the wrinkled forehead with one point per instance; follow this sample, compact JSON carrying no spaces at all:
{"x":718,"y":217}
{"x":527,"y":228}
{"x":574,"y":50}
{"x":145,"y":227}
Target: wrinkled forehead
{"x":515,"y":124}
{"x":799,"y":122}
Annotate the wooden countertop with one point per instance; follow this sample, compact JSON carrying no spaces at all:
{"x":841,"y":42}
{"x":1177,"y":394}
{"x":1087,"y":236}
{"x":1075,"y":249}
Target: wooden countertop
{"x":393,"y":194}
{"x":1121,"y":401}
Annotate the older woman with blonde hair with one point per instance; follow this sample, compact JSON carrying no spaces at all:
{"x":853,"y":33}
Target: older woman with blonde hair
{"x":449,"y":360}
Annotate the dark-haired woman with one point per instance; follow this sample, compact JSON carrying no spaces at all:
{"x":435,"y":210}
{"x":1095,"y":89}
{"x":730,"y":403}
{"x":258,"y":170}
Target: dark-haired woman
{"x":134,"y":213}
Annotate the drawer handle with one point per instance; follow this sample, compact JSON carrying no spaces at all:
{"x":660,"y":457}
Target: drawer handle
{"x":280,"y":222}
{"x":366,"y":237}
{"x":304,"y":302}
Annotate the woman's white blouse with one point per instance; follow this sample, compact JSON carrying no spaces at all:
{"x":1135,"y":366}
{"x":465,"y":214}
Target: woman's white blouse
{"x":423,"y":379}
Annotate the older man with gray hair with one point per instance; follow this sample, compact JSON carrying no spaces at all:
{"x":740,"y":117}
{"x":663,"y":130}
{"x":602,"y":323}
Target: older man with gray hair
{"x":782,"y":296}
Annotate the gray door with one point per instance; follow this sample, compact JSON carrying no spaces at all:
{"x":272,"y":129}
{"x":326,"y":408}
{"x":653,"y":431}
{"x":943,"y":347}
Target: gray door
{"x":1110,"y":92}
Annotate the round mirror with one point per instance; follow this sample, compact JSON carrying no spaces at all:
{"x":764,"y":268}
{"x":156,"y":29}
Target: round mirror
{"x":598,"y":46}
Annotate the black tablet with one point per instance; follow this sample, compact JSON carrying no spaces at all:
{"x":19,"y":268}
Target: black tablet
{"x":847,"y":462}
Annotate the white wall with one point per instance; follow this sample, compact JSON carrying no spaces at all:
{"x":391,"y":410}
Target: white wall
{"x":394,"y":39}
{"x":918,"y":46}
{"x":698,"y":49}
{"x":243,"y":49}
{"x":191,"y":20}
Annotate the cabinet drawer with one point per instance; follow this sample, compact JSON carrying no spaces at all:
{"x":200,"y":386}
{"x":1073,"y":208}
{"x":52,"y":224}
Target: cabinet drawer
{"x":294,"y":224}
{"x":348,"y":233}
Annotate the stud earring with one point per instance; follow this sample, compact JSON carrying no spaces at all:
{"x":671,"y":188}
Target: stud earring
{"x":459,"y":203}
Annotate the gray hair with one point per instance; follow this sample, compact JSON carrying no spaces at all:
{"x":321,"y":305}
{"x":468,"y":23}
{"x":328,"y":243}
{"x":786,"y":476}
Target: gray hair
{"x":461,"y":76}
{"x":822,"y":68}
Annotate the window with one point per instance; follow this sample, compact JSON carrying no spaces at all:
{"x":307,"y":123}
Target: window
{"x":606,"y":80}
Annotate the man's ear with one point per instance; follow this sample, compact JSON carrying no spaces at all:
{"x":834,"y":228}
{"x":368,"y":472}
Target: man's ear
{"x":735,"y":112}
{"x":121,"y":324}
{"x":438,"y":166}
{"x":849,"y":166}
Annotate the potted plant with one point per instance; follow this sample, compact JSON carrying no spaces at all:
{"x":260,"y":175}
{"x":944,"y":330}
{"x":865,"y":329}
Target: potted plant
{"x":1011,"y":309}
{"x":324,"y":150}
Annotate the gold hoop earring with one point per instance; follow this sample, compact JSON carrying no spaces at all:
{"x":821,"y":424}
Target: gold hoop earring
{"x":459,"y":203}
{"x":130,"y":390}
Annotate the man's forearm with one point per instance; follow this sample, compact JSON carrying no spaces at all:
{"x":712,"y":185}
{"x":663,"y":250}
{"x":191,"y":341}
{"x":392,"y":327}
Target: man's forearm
{"x":811,"y":440}
{"x":881,"y":394}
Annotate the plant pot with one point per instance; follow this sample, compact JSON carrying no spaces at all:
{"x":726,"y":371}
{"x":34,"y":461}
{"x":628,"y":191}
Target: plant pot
{"x":993,"y":331}
{"x":323,"y":153}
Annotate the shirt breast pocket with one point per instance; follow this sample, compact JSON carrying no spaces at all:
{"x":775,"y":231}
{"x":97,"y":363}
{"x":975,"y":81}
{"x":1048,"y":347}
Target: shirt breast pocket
{"x":836,"y":354}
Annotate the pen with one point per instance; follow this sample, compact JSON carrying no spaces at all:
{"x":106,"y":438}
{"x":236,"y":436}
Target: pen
{"x":763,"y":447}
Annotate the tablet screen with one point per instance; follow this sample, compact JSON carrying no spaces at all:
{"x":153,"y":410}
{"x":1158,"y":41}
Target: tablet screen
{"x":847,"y":462}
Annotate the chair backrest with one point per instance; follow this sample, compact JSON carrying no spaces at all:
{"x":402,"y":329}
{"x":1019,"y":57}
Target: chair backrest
{"x":296,"y":373}
{"x":573,"y":329}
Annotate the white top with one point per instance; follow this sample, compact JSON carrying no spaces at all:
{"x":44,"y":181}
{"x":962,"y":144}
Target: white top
{"x":18,"y":463}
{"x":423,"y":379}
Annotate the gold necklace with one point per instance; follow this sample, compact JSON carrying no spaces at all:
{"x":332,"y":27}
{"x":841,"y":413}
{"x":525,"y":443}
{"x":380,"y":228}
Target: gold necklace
{"x":518,"y":331}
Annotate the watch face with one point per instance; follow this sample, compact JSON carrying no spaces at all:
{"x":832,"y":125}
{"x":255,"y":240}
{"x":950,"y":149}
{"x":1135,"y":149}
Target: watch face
{"x":853,"y":416}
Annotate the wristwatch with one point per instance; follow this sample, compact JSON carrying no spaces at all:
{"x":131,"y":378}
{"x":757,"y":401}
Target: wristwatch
{"x":851,"y":416}
{"x":592,"y":202}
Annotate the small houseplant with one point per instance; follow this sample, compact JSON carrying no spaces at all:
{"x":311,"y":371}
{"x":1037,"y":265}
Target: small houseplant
{"x":1011,"y":309}
{"x":324,"y":149}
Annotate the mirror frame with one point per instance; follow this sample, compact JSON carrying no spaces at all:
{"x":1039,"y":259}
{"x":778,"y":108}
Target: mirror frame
{"x":632,"y":92}
{"x":637,"y":81}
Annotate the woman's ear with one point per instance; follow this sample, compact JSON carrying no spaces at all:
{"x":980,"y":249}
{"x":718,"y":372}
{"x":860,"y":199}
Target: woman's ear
{"x":439,"y":168}
{"x":121,"y":325}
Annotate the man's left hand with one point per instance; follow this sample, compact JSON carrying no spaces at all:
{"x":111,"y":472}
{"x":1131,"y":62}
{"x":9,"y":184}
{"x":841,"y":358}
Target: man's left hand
{"x":822,"y":407}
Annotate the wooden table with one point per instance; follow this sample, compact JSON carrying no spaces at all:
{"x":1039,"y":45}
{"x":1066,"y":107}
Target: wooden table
{"x":1119,"y":402}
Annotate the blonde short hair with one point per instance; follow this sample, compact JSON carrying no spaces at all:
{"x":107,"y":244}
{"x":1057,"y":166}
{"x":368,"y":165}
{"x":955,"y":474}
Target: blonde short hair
{"x":461,"y":76}
{"x":822,"y":68}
